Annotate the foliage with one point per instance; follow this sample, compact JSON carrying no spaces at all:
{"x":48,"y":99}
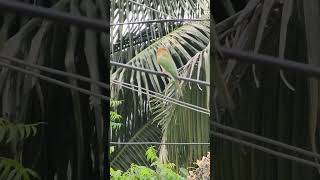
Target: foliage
{"x":72,"y":115}
{"x":115,"y":118}
{"x":16,"y":131}
{"x":135,"y":45}
{"x":129,"y":154}
{"x":12,"y":170}
{"x":10,"y":132}
{"x":278,"y":104}
{"x":159,"y":171}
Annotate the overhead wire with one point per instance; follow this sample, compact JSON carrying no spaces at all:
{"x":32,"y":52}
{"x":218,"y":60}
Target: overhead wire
{"x":129,"y":86}
{"x":54,"y":81}
{"x":158,"y":21}
{"x":265,"y":140}
{"x":155,"y":143}
{"x":157,"y":73}
{"x":254,"y":58}
{"x":266,"y":150}
{"x":55,"y":71}
{"x":164,"y":97}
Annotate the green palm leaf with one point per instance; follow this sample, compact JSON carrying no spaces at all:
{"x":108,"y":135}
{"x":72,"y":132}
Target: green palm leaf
{"x":136,"y":153}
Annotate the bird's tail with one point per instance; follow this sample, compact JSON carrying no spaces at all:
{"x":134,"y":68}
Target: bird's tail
{"x":178,"y":88}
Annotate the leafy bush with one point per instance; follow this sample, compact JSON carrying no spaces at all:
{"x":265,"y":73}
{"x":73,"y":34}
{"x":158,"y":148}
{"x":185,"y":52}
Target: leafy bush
{"x":158,"y":171}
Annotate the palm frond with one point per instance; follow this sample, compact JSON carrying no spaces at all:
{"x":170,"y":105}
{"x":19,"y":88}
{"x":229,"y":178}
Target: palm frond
{"x":129,"y":40}
{"x":179,"y":124}
{"x":129,"y":154}
{"x":12,"y":170}
{"x":10,"y":131}
{"x":182,"y":43}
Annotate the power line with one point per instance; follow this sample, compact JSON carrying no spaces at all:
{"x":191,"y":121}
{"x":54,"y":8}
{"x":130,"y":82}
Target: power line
{"x":266,"y":150}
{"x":157,"y":73}
{"x":54,"y":81}
{"x":165,"y":98}
{"x":240,"y":55}
{"x":155,"y":143}
{"x":265,"y":140}
{"x":158,"y":21}
{"x":129,"y":87}
{"x":55,"y":71}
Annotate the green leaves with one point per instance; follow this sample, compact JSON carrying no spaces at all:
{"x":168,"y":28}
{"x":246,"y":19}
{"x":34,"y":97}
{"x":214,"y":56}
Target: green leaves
{"x":160,"y":171}
{"x":12,"y":170}
{"x":16,"y":131}
{"x":115,"y":118}
{"x":151,"y":154}
{"x":129,"y":154}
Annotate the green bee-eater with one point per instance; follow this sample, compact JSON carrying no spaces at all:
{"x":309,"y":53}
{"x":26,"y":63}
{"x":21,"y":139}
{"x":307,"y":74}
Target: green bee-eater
{"x":166,"y":62}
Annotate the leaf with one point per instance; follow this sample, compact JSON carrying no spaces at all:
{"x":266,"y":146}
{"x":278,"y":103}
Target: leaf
{"x":34,"y":130}
{"x":27,"y":129}
{"x":12,"y":134}
{"x":12,"y":174}
{"x":286,"y":14}
{"x":184,"y":172}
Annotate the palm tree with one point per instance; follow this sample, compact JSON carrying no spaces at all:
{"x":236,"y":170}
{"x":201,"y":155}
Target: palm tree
{"x":281,"y":105}
{"x":71,"y":145}
{"x":147,"y":118}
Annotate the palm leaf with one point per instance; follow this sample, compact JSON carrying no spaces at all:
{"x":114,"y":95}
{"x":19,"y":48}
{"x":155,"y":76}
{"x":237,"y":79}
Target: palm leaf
{"x":183,"y":125}
{"x":16,"y":131}
{"x":129,"y":154}
{"x":12,"y":170}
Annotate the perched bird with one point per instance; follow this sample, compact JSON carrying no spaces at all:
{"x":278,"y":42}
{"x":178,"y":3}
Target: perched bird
{"x":167,"y":64}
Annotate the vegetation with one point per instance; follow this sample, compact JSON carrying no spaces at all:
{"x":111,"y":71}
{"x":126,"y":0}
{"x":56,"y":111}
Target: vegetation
{"x":162,"y":171}
{"x":279,"y":104}
{"x":71,"y":146}
{"x":12,"y":133}
{"x":157,"y":172}
{"x":136,"y":45}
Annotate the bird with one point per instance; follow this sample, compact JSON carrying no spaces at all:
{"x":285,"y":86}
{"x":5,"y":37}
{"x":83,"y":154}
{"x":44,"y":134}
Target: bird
{"x":166,"y":62}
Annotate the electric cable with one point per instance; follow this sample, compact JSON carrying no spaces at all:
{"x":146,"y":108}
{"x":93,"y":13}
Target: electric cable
{"x":157,"y":73}
{"x":130,"y":87}
{"x":155,"y":143}
{"x":55,"y":71}
{"x":165,"y":97}
{"x":267,"y":150}
{"x":54,"y":81}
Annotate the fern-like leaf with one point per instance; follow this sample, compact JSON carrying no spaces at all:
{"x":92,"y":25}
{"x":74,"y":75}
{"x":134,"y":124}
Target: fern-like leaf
{"x":10,"y":131}
{"x":12,"y":170}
